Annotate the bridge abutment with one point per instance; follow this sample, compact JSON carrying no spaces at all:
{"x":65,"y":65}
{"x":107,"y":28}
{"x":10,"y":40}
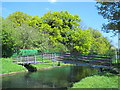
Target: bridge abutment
{"x":30,"y":68}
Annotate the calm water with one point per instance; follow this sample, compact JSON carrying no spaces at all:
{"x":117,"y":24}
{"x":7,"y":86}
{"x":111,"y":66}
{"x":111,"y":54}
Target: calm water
{"x":60,"y":77}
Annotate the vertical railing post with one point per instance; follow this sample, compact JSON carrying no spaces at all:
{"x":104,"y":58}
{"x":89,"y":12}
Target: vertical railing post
{"x":51,"y":56}
{"x":27,"y":59}
{"x":42,"y":57}
{"x":20,"y":59}
{"x":52,"y":59}
{"x":35,"y":59}
{"x":17,"y":59}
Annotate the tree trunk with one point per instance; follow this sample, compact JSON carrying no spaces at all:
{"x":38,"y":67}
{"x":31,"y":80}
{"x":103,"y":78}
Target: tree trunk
{"x":118,"y":47}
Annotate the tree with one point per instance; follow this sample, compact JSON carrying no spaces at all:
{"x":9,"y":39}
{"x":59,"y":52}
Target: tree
{"x":110,"y":11}
{"x":7,"y":38}
{"x":29,"y":37}
{"x":21,"y":37}
{"x":61,"y":19}
{"x":19,"y":17}
{"x":59,"y":25}
{"x":54,"y":31}
{"x":60,"y":22}
{"x":100,"y":44}
{"x":79,"y":41}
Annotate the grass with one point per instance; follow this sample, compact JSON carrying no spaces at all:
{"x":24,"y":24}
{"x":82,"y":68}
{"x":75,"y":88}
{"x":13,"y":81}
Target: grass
{"x":97,"y":81}
{"x":8,"y":66}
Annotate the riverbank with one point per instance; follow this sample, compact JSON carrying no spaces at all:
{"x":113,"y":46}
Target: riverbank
{"x":98,"y":81}
{"x":39,"y":69}
{"x":8,"y":67}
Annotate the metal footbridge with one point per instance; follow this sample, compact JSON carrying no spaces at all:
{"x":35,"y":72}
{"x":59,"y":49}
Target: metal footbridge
{"x":91,"y":60}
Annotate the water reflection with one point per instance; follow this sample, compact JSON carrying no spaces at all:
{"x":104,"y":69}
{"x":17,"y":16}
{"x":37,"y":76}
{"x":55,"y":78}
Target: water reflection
{"x":60,"y":77}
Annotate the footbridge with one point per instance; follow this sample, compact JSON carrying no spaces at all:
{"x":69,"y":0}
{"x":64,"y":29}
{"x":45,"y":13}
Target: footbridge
{"x":77,"y":59}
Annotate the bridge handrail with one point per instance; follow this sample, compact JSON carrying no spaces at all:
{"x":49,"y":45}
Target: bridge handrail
{"x":61,"y":56}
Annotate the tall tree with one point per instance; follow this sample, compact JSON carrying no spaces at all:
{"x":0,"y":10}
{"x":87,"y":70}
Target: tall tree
{"x":59,"y":25}
{"x":80,"y":41}
{"x":100,"y":44}
{"x":19,"y":17}
{"x":110,"y":11}
{"x":21,"y":37}
{"x":8,"y":40}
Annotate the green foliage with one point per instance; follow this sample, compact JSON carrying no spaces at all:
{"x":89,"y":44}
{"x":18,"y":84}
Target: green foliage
{"x":110,"y":11}
{"x":59,"y":25}
{"x":100,"y":44}
{"x":18,"y":17}
{"x":21,"y":37}
{"x":54,"y":31}
{"x":29,"y":37}
{"x":80,"y":41}
{"x":8,"y":40}
{"x":61,"y":19}
{"x":98,"y":82}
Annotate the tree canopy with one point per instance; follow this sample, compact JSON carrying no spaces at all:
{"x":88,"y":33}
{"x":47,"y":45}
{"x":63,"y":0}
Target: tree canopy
{"x":110,"y":11}
{"x":54,"y":31}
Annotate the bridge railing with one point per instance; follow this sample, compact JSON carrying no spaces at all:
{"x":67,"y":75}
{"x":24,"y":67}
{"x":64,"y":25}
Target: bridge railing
{"x":36,"y":58}
{"x":46,"y":57}
{"x":95,"y":60}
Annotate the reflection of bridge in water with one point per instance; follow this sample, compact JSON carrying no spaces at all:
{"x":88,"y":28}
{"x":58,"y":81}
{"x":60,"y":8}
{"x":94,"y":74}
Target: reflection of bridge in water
{"x":92,"y":61}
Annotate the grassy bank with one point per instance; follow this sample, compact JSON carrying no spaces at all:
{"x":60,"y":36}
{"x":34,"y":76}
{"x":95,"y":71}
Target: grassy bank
{"x":44,"y":65}
{"x":8,"y":66}
{"x":97,"y":81}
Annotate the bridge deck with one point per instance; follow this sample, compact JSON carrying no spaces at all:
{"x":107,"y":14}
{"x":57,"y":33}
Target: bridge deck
{"x":92,"y":61}
{"x":22,"y":63}
{"x":87,"y":64}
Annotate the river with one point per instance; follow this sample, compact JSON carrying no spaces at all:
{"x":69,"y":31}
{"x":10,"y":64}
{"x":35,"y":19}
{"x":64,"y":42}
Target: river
{"x":58,"y":77}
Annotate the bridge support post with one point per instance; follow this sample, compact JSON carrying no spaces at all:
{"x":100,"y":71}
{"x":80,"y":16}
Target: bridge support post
{"x":58,"y":64}
{"x":20,"y":59}
{"x":17,"y":59}
{"x":30,"y":68}
{"x":42,"y":57}
{"x":35,"y":59}
{"x":100,"y":69}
